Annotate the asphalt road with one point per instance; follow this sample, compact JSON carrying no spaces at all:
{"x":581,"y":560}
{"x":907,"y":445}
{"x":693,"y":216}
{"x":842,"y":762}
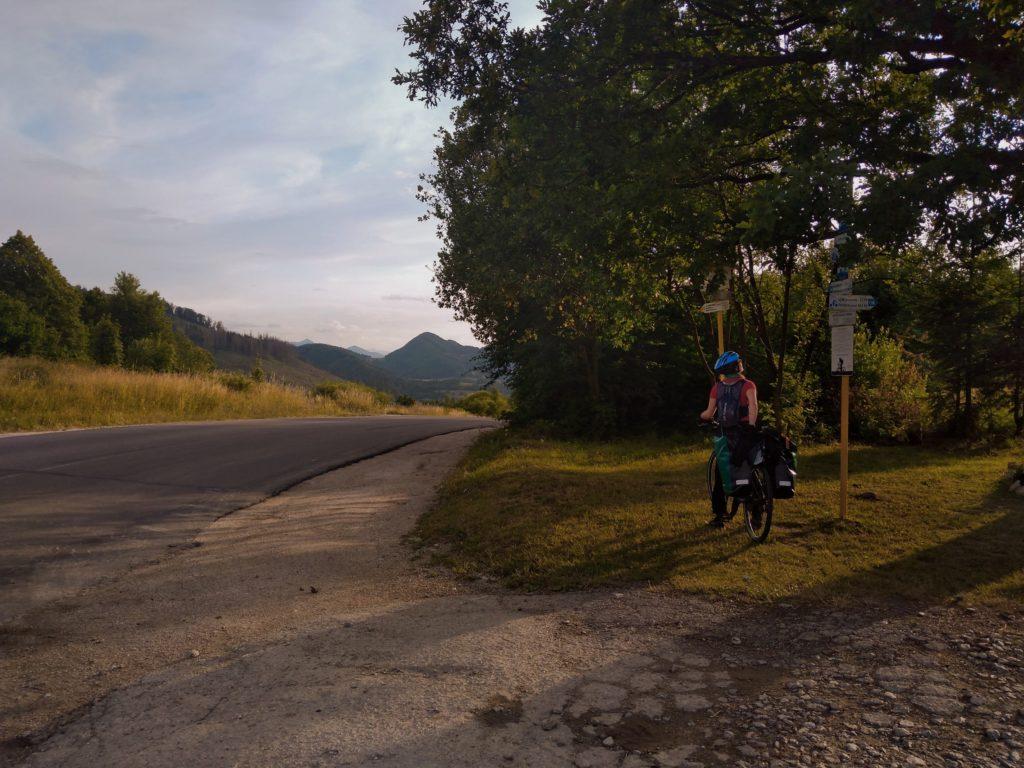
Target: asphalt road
{"x":78,"y":506}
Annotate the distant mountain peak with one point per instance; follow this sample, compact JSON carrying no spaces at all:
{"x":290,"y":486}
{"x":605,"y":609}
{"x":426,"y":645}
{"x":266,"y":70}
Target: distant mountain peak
{"x":366,"y":352}
{"x":303,"y":343}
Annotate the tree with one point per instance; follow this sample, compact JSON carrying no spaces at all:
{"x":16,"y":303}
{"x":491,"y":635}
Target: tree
{"x":22,"y":332}
{"x":28,"y":277}
{"x":105,"y":342}
{"x":138,"y":313}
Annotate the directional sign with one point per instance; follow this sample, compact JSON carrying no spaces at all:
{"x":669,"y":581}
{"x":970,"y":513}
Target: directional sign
{"x":842,"y":273}
{"x":715,"y":306}
{"x":841,"y":286}
{"x":851,"y":301}
{"x":842,"y":317}
{"x":842,"y":350}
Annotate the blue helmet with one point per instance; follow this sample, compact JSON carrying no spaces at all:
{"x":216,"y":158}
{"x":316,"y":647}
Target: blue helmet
{"x":727,"y":363}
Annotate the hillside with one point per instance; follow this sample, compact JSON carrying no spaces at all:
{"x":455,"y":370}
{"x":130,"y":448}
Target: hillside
{"x":348,"y":365}
{"x":241,"y":352}
{"x":428,"y":356}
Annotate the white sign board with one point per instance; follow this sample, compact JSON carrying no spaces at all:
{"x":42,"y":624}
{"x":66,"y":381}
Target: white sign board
{"x":715,"y":306}
{"x":842,"y":317}
{"x":841,"y":286}
{"x":842,"y":350}
{"x":851,"y":301}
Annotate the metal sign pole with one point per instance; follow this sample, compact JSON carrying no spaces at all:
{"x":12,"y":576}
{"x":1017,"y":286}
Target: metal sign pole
{"x":844,"y":443}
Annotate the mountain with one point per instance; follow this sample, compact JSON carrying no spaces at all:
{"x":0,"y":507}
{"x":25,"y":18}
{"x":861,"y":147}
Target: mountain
{"x":348,"y":365}
{"x":428,"y":356}
{"x":303,"y":343}
{"x":241,"y":352}
{"x":364,"y":352}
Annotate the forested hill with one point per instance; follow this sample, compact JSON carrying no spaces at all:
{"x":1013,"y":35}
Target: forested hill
{"x":427,"y":368}
{"x":234,"y":351}
{"x":428,"y":356}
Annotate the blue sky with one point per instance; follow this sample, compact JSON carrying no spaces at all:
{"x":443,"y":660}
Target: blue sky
{"x":247,"y":158}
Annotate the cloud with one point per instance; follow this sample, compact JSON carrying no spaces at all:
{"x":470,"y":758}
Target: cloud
{"x":400,"y":297}
{"x":248,"y":158}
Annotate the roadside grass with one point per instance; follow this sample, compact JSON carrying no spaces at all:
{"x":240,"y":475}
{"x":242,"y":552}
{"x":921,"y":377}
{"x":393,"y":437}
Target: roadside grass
{"x":548,"y":514}
{"x":39,"y":394}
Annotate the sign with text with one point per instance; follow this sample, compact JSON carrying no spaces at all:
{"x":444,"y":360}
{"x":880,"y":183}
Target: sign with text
{"x":842,"y":317}
{"x":715,"y":306}
{"x":841,"y":286}
{"x":842,"y":350}
{"x":851,"y":301}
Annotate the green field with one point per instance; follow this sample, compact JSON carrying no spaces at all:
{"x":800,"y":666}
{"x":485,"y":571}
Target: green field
{"x":39,"y":394}
{"x":547,"y":514}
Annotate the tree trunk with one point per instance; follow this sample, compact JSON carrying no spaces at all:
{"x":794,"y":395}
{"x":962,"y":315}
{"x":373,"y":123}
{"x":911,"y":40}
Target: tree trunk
{"x":784,"y":333}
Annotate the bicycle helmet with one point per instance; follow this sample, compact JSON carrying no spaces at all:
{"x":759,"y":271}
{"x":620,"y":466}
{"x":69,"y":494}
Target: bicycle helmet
{"x":728,"y":364}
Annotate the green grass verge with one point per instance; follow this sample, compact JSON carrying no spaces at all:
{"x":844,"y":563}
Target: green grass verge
{"x":39,"y":394}
{"x":549,"y":514}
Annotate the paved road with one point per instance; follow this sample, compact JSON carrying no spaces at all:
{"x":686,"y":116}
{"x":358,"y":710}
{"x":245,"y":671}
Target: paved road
{"x":77,"y":506}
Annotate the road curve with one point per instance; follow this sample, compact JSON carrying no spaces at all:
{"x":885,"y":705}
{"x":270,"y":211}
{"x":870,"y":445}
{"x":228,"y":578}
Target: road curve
{"x":80,"y":505}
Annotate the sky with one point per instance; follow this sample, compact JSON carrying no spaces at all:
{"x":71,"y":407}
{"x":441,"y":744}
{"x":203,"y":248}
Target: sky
{"x":247,"y":158}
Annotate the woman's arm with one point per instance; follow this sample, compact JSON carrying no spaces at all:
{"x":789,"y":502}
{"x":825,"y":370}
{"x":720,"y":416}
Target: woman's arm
{"x":752,"y":406}
{"x":709,"y":414}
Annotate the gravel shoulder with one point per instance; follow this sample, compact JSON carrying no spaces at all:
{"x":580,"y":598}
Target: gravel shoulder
{"x":298,"y":632}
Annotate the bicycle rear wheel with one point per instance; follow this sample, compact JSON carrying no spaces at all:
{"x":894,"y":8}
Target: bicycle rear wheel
{"x":758,"y":506}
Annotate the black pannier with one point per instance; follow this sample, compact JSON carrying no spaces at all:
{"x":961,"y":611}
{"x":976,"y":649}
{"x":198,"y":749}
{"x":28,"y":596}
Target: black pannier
{"x":781,"y":459}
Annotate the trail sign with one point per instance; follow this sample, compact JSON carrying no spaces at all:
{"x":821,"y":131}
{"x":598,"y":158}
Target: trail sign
{"x":851,"y":301}
{"x":842,"y":273}
{"x":842,"y":317}
{"x":715,"y":306}
{"x":842,"y":350}
{"x":841,"y":286}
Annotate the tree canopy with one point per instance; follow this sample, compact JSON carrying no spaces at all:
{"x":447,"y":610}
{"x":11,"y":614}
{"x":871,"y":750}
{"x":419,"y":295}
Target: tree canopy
{"x":608,"y":169}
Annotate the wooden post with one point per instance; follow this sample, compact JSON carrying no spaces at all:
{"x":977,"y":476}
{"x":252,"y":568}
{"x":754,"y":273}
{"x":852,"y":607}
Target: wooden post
{"x":844,"y":443}
{"x":721,"y":333}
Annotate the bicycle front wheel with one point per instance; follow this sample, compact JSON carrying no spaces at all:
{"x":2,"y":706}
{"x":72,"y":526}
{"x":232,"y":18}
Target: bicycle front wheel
{"x":757,"y":507}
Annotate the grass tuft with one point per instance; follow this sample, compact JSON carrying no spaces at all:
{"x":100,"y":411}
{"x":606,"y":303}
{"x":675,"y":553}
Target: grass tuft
{"x":553,"y":514}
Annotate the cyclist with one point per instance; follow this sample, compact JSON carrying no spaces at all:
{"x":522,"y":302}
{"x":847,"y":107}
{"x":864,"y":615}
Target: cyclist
{"x":734,"y":398}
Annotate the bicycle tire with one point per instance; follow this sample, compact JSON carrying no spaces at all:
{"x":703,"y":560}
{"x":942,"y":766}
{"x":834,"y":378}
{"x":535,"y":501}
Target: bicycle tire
{"x":760,"y":496}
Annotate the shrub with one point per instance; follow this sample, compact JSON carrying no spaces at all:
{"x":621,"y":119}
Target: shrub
{"x":486,"y":402}
{"x":236,"y":382}
{"x":888,"y":392}
{"x":405,"y":400}
{"x":152,"y":353}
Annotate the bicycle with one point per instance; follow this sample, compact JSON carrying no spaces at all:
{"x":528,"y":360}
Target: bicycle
{"x":758,"y":502}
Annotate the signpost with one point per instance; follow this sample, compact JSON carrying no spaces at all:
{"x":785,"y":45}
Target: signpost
{"x":718,"y":307}
{"x":843,"y":305}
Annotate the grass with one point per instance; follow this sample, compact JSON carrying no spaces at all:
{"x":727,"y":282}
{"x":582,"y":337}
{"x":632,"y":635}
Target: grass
{"x":548,"y":514}
{"x":38,"y":394}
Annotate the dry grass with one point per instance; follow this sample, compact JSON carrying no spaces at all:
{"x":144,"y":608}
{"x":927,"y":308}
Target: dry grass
{"x":38,"y":394}
{"x":548,"y":514}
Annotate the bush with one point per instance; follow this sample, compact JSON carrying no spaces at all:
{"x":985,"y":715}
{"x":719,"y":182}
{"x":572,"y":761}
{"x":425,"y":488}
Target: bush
{"x":405,"y":400}
{"x":486,"y":402}
{"x":152,"y":353}
{"x":888,"y":392}
{"x":236,"y":382}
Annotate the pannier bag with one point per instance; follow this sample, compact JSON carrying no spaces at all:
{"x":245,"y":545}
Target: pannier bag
{"x":784,"y":482}
{"x":741,"y":478}
{"x":723,"y":457}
